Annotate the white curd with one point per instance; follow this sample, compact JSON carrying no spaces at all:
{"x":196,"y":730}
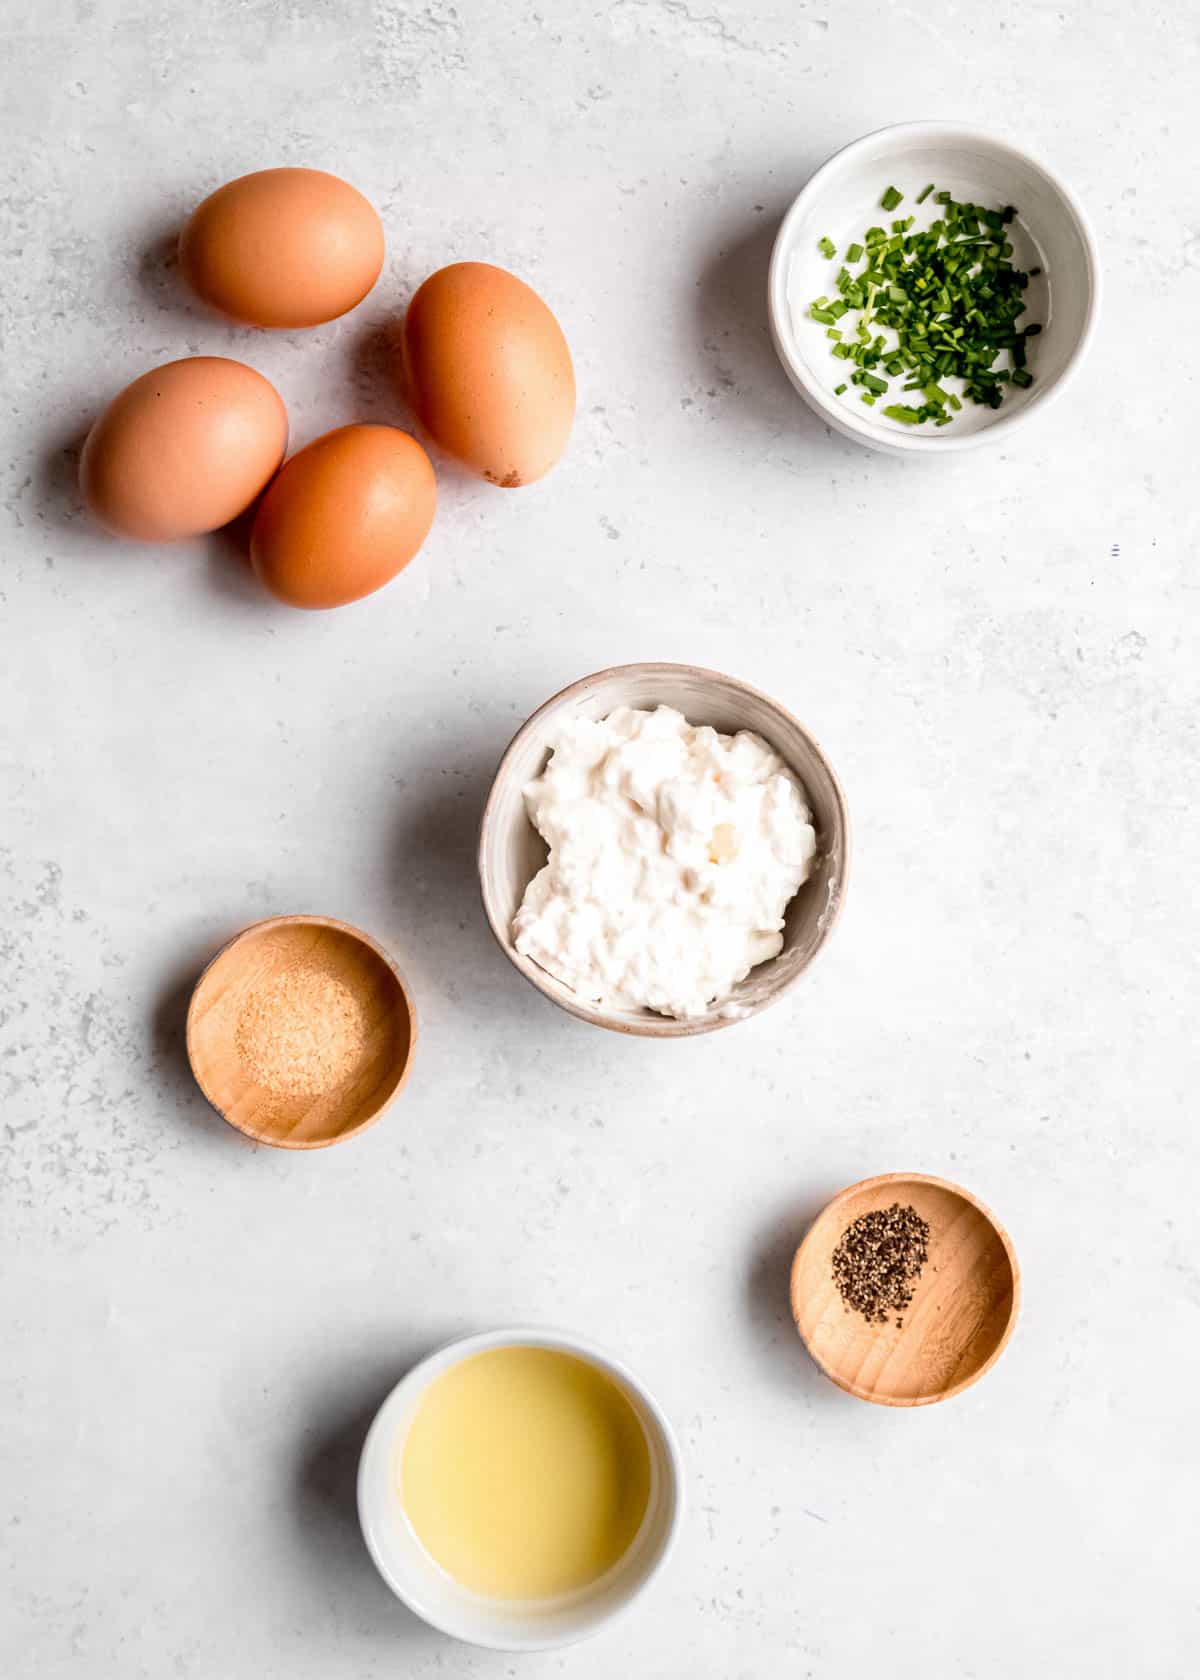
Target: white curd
{"x":674,"y":851}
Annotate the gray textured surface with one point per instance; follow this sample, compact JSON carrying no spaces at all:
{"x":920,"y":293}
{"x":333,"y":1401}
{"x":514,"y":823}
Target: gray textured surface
{"x":997,"y":653}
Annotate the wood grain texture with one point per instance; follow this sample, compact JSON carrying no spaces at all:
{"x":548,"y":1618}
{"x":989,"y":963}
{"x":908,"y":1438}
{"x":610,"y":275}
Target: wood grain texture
{"x":963,"y":1310}
{"x":511,"y":851}
{"x":251,"y":961}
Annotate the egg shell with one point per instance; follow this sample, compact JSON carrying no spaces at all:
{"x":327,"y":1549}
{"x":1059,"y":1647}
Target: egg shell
{"x":489,"y":372}
{"x":283,"y":248}
{"x":184,"y":449}
{"x":345,"y":514}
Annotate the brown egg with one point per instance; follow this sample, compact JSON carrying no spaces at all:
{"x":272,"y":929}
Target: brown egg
{"x":184,"y":449}
{"x":344,"y":516}
{"x":283,"y":248}
{"x":489,"y":372}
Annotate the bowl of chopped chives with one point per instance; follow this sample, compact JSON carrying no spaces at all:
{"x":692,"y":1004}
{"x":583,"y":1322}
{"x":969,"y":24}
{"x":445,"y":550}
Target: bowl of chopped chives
{"x":931,"y":288}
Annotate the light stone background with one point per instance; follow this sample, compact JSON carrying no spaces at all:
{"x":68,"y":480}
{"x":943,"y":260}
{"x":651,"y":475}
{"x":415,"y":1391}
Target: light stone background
{"x":998,"y":653}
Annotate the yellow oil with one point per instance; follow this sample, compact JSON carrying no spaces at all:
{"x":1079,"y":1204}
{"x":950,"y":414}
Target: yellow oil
{"x":525,"y":1473}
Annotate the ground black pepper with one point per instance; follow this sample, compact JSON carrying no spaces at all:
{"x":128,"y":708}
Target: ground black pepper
{"x":878,"y":1260}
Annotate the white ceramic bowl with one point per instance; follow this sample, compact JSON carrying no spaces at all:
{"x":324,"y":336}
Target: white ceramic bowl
{"x":842,"y":200}
{"x":511,"y":851}
{"x":426,"y":1588}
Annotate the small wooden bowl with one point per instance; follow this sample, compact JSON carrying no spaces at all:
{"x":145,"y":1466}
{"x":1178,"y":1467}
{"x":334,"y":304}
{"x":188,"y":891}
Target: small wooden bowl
{"x":963,"y":1309}
{"x":259,"y":957}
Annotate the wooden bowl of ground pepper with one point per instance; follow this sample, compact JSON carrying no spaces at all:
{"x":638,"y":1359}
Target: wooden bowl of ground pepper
{"x":300,"y":1032}
{"x":905,"y":1289}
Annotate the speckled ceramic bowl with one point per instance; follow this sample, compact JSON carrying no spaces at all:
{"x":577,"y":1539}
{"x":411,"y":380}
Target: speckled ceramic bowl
{"x":511,"y":851}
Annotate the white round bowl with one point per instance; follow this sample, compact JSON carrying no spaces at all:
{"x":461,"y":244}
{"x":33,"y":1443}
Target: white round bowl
{"x":429,"y":1591}
{"x":511,"y":851}
{"x":842,"y":200}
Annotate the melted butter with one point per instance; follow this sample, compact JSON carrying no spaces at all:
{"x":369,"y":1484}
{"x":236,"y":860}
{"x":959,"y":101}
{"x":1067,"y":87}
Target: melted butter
{"x":525,"y":1473}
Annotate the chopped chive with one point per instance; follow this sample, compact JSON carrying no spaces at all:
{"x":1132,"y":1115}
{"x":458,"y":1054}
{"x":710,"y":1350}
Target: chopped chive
{"x":826,"y":247}
{"x":945,"y":302}
{"x":906,"y":416}
{"x":838,"y":390}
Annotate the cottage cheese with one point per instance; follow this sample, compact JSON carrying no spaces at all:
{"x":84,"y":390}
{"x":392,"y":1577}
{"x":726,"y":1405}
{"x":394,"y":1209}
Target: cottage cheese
{"x":673,"y":853}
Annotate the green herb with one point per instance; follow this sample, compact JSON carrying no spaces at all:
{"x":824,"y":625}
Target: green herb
{"x":838,"y":390}
{"x":935,"y":304}
{"x":826,"y":247}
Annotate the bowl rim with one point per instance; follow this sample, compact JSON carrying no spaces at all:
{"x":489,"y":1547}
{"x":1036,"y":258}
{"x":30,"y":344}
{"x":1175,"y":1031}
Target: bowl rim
{"x":822,"y":402}
{"x":660,"y":1026}
{"x":301,"y":919}
{"x":877,"y":1181}
{"x":453,"y":1352}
